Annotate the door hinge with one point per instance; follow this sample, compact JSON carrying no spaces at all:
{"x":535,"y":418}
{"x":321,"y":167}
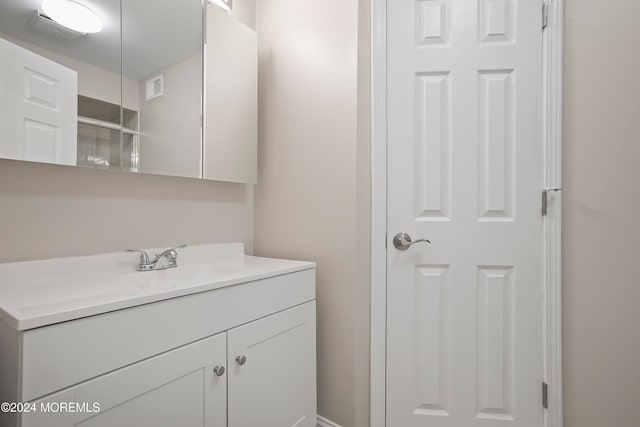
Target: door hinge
{"x":545,"y":395}
{"x":385,"y":241}
{"x":545,"y":13}
{"x":545,"y":198}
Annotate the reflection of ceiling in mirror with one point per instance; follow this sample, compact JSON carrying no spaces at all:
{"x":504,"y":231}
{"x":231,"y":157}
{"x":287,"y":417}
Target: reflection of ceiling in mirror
{"x":156,"y":34}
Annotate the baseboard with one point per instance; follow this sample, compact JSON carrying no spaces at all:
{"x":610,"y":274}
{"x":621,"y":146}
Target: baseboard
{"x":323,"y":422}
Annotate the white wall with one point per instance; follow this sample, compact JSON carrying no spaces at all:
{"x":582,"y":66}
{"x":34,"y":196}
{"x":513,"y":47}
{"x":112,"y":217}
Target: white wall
{"x":307,"y":197}
{"x":601,"y":222}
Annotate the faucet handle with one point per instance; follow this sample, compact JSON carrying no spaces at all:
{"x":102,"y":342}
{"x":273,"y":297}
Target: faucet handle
{"x":174,"y":253}
{"x":170,"y":253}
{"x":144,"y":257}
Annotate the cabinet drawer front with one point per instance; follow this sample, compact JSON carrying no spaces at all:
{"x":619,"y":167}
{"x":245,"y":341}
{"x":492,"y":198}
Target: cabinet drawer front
{"x":277,"y":377}
{"x":62,"y":355}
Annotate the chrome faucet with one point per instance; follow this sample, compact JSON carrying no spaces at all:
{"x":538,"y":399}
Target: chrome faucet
{"x":165,"y":259}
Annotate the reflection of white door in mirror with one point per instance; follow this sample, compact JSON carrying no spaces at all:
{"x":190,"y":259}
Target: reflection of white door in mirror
{"x":38,"y":107}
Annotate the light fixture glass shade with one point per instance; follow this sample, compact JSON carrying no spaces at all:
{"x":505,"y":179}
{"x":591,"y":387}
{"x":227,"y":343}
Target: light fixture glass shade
{"x":225,"y":4}
{"x":72,"y":15}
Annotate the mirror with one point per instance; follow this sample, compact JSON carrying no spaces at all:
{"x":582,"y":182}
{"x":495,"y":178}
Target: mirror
{"x":130,"y":96}
{"x":48,"y":72}
{"x":162,"y":81}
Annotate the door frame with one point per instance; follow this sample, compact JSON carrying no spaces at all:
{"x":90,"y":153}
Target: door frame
{"x":552,"y":149}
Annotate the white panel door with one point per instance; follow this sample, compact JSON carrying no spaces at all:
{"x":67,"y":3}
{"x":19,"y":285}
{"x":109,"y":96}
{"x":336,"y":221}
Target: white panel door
{"x":178,"y":388}
{"x":465,"y":171}
{"x":275,"y":384}
{"x":38,"y":107}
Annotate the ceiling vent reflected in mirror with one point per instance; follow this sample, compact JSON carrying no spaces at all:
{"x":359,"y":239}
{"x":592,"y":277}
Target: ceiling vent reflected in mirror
{"x":154,"y":87}
{"x":225,"y":4}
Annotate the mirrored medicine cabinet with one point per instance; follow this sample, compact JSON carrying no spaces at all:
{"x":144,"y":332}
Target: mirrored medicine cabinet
{"x":163,"y":87}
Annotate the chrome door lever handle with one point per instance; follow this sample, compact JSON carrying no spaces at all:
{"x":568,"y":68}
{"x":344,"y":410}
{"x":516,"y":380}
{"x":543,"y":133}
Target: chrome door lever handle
{"x":402,"y":241}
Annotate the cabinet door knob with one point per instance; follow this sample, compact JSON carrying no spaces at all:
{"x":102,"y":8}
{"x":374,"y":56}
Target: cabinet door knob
{"x":241,"y":360}
{"x":219,"y":370}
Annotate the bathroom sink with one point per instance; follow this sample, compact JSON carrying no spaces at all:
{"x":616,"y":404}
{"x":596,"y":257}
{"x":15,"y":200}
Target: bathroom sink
{"x":40,"y":293}
{"x":179,"y":277}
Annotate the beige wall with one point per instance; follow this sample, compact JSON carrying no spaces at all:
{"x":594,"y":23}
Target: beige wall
{"x":601,"y":222}
{"x":52,"y":211}
{"x":307,"y":203}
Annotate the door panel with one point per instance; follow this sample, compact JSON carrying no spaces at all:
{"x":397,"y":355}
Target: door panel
{"x":43,"y":418}
{"x":177,"y":388}
{"x":278,"y":378}
{"x":38,"y":107}
{"x":464,"y":313}
{"x":177,"y":402}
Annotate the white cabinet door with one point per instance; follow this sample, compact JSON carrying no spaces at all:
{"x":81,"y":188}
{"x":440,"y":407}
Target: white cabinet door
{"x":276,"y":384}
{"x":230,"y":149}
{"x":38,"y":107}
{"x":43,"y":412}
{"x":178,"y":388}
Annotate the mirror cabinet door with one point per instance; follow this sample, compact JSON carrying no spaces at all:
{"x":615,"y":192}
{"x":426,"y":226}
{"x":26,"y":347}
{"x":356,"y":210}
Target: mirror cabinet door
{"x":162,"y":84}
{"x":128,"y":94}
{"x":231,"y":118}
{"x":60,"y":85}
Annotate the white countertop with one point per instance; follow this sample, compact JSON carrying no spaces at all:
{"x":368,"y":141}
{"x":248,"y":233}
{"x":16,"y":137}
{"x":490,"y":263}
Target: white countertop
{"x":41,"y":293}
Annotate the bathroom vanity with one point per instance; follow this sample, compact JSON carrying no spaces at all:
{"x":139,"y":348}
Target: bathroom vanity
{"x":224,"y":339}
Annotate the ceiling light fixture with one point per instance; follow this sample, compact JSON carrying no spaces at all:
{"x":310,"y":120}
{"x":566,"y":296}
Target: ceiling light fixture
{"x":72,"y":15}
{"x":225,"y":4}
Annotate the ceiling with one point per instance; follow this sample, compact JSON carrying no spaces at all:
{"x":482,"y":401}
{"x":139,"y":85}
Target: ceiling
{"x":155,"y":33}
